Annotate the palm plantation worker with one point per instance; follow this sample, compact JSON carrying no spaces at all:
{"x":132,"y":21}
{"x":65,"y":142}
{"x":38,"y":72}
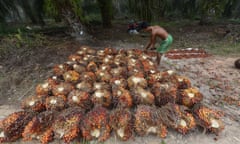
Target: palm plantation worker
{"x":157,"y":31}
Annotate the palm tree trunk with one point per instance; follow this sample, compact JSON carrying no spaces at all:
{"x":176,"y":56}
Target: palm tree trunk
{"x":106,"y":12}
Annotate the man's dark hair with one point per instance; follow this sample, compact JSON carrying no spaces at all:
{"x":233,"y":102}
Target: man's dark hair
{"x":144,"y":25}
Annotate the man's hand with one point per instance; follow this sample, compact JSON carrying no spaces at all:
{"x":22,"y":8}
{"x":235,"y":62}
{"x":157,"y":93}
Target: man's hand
{"x":153,"y":48}
{"x":146,"y":48}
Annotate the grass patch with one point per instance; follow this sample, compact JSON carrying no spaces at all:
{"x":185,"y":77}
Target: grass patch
{"x":21,"y":41}
{"x":6,"y":29}
{"x":163,"y":142}
{"x":9,"y":29}
{"x":224,"y":48}
{"x":176,"y":23}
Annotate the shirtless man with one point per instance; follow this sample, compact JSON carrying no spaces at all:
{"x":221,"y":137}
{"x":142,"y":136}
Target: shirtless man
{"x":157,"y":31}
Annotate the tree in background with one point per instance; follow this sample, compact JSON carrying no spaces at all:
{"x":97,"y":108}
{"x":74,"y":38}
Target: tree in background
{"x":77,"y":13}
{"x":68,"y":10}
{"x":106,"y":12}
{"x":6,"y":7}
{"x":205,"y":10}
{"x":33,"y":9}
{"x":210,"y":9}
{"x":232,"y":8}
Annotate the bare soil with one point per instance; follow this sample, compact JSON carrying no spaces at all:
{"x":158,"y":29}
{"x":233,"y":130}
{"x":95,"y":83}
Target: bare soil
{"x":215,"y":76}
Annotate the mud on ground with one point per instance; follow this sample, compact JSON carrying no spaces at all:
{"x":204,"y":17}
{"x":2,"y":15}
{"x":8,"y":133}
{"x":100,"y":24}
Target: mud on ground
{"x":214,"y":76}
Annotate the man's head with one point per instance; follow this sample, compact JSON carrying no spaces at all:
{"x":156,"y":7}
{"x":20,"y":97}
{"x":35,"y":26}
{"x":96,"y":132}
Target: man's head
{"x":143,"y":25}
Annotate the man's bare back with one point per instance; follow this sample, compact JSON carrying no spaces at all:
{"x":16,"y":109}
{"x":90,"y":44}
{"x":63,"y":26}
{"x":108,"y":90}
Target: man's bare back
{"x":156,"y":31}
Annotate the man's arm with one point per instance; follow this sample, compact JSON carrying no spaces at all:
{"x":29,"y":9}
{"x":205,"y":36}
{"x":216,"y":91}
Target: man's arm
{"x":152,"y":42}
{"x":148,"y":45}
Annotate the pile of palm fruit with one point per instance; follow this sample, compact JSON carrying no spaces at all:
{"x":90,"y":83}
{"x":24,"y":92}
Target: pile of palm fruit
{"x":186,"y":53}
{"x":99,"y":93}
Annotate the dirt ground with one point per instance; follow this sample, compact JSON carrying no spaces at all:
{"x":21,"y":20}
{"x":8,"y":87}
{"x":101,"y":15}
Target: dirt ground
{"x":214,"y":76}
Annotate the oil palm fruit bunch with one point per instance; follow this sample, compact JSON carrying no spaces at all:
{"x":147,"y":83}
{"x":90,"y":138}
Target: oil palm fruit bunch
{"x":12,"y":126}
{"x":84,"y":50}
{"x":79,"y":68}
{"x":189,"y":97}
{"x":122,"y":51}
{"x":104,"y":67}
{"x":154,"y":78}
{"x":54,"y":80}
{"x":95,"y":125}
{"x":101,"y":85}
{"x":56,"y":103}
{"x":88,"y":76}
{"x":137,"y":51}
{"x":144,"y":56}
{"x":108,"y":59}
{"x":208,"y":118}
{"x":142,"y":96}
{"x":137,"y":80}
{"x":148,"y":66}
{"x":132,"y":71}
{"x":84,"y":61}
{"x":151,"y":54}
{"x":90,"y":58}
{"x":119,"y":60}
{"x":100,"y":53}
{"x":133,"y":66}
{"x":91,"y":51}
{"x":102,"y":97}
{"x":164,"y":93}
{"x":146,"y":121}
{"x":71,"y":76}
{"x":132,"y":58}
{"x":122,"y":97}
{"x":81,"y":52}
{"x":110,"y":51}
{"x":176,"y":117}
{"x":63,"y":88}
{"x":60,"y":69}
{"x":44,"y":88}
{"x":119,"y":72}
{"x":132,"y":53}
{"x":104,"y":76}
{"x":118,"y":82}
{"x":67,"y":124}
{"x":34,"y":103}
{"x":121,"y":121}
{"x":85,"y":86}
{"x":92,"y":66}
{"x":183,"y":82}
{"x":40,"y":127}
{"x":168,"y":76}
{"x":74,"y":57}
{"x":80,"y":98}
{"x":71,"y":63}
{"x":156,"y":89}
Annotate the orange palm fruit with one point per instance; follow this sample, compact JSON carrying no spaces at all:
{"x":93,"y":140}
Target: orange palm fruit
{"x":95,"y":125}
{"x":208,"y":118}
{"x":12,"y":126}
{"x":146,"y":122}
